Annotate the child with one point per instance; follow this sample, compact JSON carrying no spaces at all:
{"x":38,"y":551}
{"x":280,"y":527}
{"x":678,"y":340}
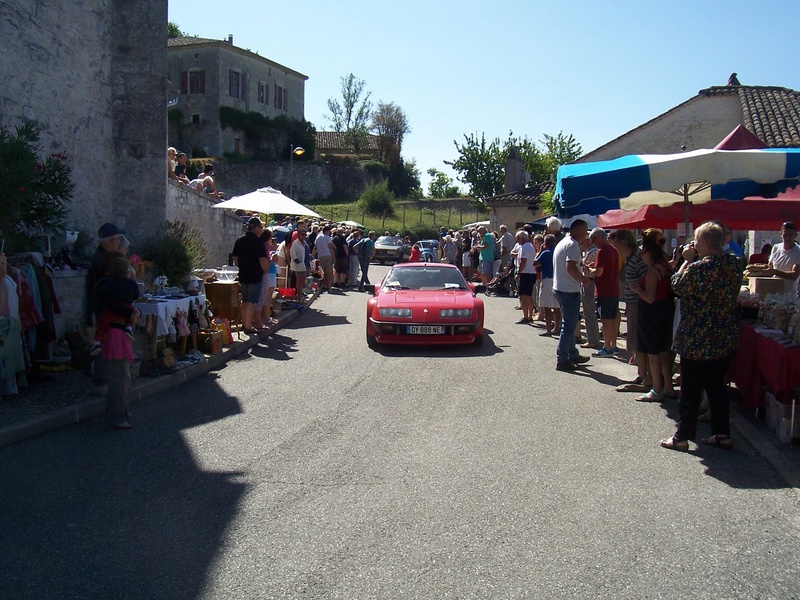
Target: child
{"x":115,"y":294}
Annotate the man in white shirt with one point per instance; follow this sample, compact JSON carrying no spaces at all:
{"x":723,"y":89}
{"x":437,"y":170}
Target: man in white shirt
{"x":784,"y":261}
{"x":324,"y":249}
{"x":506,"y":244}
{"x":526,"y":276}
{"x":567,"y":281}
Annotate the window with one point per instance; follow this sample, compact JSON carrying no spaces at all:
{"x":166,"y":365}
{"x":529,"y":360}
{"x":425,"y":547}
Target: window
{"x":235,"y":84}
{"x":193,"y":82}
{"x":237,"y":145}
{"x":197,"y":82}
{"x":262,"y":92}
{"x":279,"y":97}
{"x":285,"y":99}
{"x":196,"y":118}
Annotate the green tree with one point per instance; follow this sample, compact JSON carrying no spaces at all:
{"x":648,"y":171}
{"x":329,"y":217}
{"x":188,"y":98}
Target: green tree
{"x":441,"y":186}
{"x":34,"y":191}
{"x":352,"y":115}
{"x":390,"y":124}
{"x":173,"y":31}
{"x":404,"y":179}
{"x":481,"y":165}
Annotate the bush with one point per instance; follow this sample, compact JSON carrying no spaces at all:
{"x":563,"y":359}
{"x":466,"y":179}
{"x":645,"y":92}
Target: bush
{"x":377,"y":200}
{"x":175,"y":249}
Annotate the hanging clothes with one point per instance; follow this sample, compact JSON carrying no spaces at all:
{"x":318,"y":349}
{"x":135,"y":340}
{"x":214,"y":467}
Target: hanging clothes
{"x":12,"y":359}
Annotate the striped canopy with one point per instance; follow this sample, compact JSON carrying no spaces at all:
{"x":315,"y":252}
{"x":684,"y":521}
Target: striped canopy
{"x":664,"y":179}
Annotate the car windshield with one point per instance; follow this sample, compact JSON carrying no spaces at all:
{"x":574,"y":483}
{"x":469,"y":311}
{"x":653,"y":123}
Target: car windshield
{"x":389,"y":240}
{"x":428,"y":245}
{"x":428,"y":278}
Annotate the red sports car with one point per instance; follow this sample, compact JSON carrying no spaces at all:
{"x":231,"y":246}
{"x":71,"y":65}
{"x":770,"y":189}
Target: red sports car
{"x":424,"y":304}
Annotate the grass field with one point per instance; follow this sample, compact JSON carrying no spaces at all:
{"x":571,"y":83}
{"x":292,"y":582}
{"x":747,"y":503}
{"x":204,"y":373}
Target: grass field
{"x":410,"y":216}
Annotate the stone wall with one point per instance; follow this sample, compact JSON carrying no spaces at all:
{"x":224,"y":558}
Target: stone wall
{"x":219,"y":227}
{"x":93,"y":75}
{"x":312,"y":181}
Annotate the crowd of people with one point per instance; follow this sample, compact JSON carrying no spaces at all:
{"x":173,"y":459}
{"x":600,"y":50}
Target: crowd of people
{"x":677,"y":305}
{"x":204,"y":182}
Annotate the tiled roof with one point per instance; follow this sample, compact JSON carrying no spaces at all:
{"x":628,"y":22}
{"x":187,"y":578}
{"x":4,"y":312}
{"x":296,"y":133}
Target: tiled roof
{"x":771,"y":113}
{"x":334,"y":140}
{"x":531,"y":196}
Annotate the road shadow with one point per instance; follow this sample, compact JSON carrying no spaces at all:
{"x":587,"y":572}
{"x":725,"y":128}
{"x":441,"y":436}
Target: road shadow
{"x":278,"y":346}
{"x":489,"y":348}
{"x":93,"y":513}
{"x":318,"y":318}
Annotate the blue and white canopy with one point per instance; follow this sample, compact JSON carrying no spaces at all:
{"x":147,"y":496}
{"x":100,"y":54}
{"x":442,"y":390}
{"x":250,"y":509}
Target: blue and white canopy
{"x":664,"y":179}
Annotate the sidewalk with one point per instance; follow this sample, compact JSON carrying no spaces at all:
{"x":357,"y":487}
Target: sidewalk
{"x":15,"y":427}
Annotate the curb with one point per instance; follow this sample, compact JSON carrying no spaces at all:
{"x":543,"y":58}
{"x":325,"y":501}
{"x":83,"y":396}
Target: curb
{"x":144,"y":388}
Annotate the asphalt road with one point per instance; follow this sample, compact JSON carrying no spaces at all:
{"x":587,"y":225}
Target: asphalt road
{"x":316,"y":467}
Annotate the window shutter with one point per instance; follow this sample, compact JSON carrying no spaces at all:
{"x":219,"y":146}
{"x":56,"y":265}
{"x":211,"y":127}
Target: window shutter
{"x":185,"y":83}
{"x":202,"y":82}
{"x":243,"y":87}
{"x":285,"y":99}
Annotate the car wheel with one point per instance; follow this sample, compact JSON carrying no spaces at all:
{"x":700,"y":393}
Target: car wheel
{"x":478,"y":341}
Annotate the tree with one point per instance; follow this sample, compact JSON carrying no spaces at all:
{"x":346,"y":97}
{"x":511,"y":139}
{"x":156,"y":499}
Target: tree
{"x":390,"y":124}
{"x":482,"y":166}
{"x":377,"y":200}
{"x":352,"y":116}
{"x":404,"y":179}
{"x":173,"y":31}
{"x":34,"y":192}
{"x":441,"y":186}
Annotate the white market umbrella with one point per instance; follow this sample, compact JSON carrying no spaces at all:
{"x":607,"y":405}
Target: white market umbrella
{"x":351,"y":224}
{"x":270,"y":201}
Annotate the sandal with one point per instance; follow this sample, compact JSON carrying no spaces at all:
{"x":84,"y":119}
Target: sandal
{"x":719,"y":440}
{"x":675,"y":444}
{"x":651,"y":396}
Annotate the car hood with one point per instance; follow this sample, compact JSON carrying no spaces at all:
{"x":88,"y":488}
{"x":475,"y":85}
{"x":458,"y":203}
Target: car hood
{"x":454,"y":298}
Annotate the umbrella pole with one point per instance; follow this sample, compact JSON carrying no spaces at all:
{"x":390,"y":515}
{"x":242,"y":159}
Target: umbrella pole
{"x":686,"y":209}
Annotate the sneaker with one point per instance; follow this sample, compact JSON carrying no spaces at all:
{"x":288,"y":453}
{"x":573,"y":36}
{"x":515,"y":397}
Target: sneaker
{"x":593,"y":346}
{"x":579,"y":360}
{"x":566,"y":366}
{"x":613,"y":350}
{"x":603,"y":353}
{"x":95,"y":349}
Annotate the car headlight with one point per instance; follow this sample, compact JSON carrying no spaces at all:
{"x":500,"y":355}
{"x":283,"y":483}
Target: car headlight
{"x":395,"y":312}
{"x":449,"y":313}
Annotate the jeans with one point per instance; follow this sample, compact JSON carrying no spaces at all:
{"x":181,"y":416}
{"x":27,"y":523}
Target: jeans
{"x":570,"y":303}
{"x":364,"y":270}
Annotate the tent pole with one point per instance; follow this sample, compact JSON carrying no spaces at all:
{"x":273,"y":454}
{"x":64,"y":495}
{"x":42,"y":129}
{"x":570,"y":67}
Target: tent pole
{"x":686,"y":209}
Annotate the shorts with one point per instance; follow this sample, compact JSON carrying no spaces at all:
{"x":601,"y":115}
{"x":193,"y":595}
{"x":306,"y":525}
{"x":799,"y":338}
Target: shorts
{"x":342,"y":265}
{"x":526,"y":283}
{"x":251,"y":292}
{"x":607,"y":307}
{"x":486,"y":267}
{"x":546,"y":297}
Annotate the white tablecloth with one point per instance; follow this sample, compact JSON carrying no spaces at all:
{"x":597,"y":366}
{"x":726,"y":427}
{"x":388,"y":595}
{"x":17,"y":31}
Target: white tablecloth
{"x":166,"y":309}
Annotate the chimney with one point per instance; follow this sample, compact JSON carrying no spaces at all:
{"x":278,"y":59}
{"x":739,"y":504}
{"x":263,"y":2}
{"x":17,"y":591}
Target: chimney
{"x":230,"y":39}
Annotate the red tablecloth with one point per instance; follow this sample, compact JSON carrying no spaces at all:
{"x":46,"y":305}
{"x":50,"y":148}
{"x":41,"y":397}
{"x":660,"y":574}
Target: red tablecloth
{"x":761,"y":361}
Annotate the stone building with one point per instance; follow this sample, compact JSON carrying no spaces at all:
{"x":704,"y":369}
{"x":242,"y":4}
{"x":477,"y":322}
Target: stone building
{"x":206,"y":74}
{"x":93,"y":76}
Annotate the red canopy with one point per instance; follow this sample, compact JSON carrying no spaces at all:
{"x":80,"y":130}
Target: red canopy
{"x":753,"y":212}
{"x":740,"y":139}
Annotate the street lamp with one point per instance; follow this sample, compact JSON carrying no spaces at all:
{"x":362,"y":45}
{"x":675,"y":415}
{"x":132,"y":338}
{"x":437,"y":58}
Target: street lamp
{"x":295,"y":151}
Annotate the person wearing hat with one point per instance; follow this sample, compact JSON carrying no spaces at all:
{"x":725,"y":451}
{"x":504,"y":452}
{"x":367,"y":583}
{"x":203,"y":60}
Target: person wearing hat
{"x":109,"y":238}
{"x":250,"y":255}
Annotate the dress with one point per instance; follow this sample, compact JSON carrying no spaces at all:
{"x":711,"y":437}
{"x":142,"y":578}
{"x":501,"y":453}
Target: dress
{"x":654,"y":320}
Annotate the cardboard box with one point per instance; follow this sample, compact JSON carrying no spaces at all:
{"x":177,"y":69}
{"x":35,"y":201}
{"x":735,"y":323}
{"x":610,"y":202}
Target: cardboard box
{"x":766,"y":285}
{"x":209,"y":342}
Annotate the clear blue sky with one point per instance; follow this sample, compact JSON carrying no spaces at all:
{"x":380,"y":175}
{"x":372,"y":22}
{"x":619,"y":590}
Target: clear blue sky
{"x":591,"y":69}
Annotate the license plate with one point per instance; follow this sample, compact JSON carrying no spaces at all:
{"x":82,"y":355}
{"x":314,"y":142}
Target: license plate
{"x":425,"y":329}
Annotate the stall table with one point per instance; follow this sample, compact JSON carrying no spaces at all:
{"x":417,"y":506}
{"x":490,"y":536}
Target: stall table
{"x":160,"y":311}
{"x":763,"y":362}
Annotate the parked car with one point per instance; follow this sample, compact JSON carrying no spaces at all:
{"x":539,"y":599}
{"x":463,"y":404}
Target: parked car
{"x":429,"y":250}
{"x":424,"y":304}
{"x":391,"y":248}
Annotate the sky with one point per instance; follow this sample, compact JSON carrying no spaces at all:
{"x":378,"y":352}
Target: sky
{"x":594,"y":70}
